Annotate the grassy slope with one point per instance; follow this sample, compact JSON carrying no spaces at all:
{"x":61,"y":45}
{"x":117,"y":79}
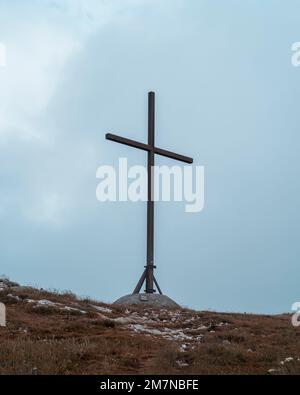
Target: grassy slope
{"x":43,"y":339}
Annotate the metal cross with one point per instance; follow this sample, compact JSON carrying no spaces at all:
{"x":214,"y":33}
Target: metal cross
{"x":148,"y":273}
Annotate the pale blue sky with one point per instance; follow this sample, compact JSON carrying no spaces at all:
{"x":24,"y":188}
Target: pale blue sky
{"x":227,"y":95}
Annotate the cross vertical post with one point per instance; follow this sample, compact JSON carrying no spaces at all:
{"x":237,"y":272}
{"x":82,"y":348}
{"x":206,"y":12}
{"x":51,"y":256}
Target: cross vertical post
{"x":150,"y":204}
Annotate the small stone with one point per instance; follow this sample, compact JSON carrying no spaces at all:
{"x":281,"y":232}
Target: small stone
{"x":34,"y":371}
{"x":183,"y":348}
{"x":226,"y":342}
{"x":182,"y":364}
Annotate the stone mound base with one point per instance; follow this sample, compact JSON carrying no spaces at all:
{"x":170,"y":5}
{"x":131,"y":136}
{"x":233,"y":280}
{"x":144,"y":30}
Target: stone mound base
{"x":152,"y":300}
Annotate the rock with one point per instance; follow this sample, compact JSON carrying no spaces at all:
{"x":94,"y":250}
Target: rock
{"x":6,"y":283}
{"x":182,"y":363}
{"x":183,"y":347}
{"x":35,"y":371}
{"x":226,"y":342}
{"x":286,"y":360}
{"x":102,"y":309}
{"x":15,"y":297}
{"x":2,"y":315}
{"x":153,"y":300}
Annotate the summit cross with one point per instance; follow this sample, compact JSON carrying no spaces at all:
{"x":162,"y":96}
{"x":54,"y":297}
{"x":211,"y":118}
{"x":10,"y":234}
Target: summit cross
{"x":152,"y":150}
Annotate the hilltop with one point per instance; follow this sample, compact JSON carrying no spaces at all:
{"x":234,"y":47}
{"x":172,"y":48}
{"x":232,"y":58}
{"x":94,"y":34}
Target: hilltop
{"x":58,"y":333}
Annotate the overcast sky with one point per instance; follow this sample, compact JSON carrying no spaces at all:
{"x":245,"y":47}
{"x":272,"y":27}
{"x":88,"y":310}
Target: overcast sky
{"x":227,"y":95}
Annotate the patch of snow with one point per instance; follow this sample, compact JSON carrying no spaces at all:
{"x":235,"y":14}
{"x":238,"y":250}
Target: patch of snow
{"x":183,"y":347}
{"x":45,"y":302}
{"x":202,"y":328}
{"x":30,"y":301}
{"x":142,"y":329}
{"x":226,"y":342}
{"x":16,"y":297}
{"x":49,"y":303}
{"x":286,"y":360}
{"x":182,"y":364}
{"x":133,"y":319}
{"x":167,"y":333}
{"x":68,"y":308}
{"x":289,"y":359}
{"x":124,"y":320}
{"x":102,"y":309}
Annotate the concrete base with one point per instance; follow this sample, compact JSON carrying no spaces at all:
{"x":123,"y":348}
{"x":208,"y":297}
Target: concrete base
{"x":151,"y":300}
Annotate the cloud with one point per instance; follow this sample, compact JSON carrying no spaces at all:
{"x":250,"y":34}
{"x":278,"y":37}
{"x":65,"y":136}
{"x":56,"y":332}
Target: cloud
{"x":42,"y":38}
{"x":36,"y":55}
{"x":48,"y":208}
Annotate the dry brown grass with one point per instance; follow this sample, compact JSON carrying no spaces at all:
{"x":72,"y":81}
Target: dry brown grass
{"x":25,"y":356}
{"x":47,"y":340}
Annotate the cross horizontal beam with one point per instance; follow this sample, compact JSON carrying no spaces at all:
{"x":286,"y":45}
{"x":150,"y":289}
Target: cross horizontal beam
{"x":125,"y":141}
{"x":148,"y":148}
